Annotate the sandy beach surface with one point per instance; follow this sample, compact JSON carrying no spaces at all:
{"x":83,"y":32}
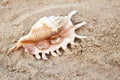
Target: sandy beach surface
{"x":96,"y":58}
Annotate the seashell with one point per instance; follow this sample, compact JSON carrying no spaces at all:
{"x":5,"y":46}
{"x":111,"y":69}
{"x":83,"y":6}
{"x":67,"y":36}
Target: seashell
{"x":48,"y":35}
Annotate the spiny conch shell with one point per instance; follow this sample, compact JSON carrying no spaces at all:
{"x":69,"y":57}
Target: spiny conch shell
{"x":48,"y":35}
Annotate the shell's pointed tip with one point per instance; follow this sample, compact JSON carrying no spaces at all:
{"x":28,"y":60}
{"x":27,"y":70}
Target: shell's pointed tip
{"x":83,"y":23}
{"x":66,"y":49}
{"x":80,"y":24}
{"x":72,"y":13}
{"x":78,"y":36}
{"x":44,"y":56}
{"x":8,"y":52}
{"x":11,"y":50}
{"x":75,"y":11}
{"x":73,"y":44}
{"x":53,"y":54}
{"x":37,"y":56}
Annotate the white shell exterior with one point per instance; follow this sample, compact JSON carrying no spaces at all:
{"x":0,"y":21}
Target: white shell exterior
{"x":67,"y":34}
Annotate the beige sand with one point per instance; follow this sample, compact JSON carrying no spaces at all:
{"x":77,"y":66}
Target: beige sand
{"x":97,"y":57}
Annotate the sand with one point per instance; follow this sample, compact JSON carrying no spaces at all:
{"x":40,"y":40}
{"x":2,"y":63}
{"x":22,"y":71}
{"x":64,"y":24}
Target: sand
{"x":96,"y":58}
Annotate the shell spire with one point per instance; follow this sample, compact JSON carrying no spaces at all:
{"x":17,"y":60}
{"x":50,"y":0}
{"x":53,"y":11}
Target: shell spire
{"x":48,"y":35}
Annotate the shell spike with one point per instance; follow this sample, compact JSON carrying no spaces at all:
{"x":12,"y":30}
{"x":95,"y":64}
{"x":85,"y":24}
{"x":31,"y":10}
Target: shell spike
{"x":72,"y":13}
{"x":37,"y":56}
{"x":53,"y":53}
{"x":65,"y":48}
{"x":58,"y":52}
{"x":80,"y":24}
{"x":44,"y":56}
{"x":15,"y":47}
{"x":73,"y":44}
{"x":78,"y":36}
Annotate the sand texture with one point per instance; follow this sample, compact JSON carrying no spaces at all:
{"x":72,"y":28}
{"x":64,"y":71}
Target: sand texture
{"x":96,"y":58}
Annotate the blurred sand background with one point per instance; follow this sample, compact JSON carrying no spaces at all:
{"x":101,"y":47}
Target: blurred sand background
{"x":96,"y":58}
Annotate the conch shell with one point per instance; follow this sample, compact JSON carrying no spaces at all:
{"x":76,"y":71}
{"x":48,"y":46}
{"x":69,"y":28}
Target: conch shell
{"x":48,"y":35}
